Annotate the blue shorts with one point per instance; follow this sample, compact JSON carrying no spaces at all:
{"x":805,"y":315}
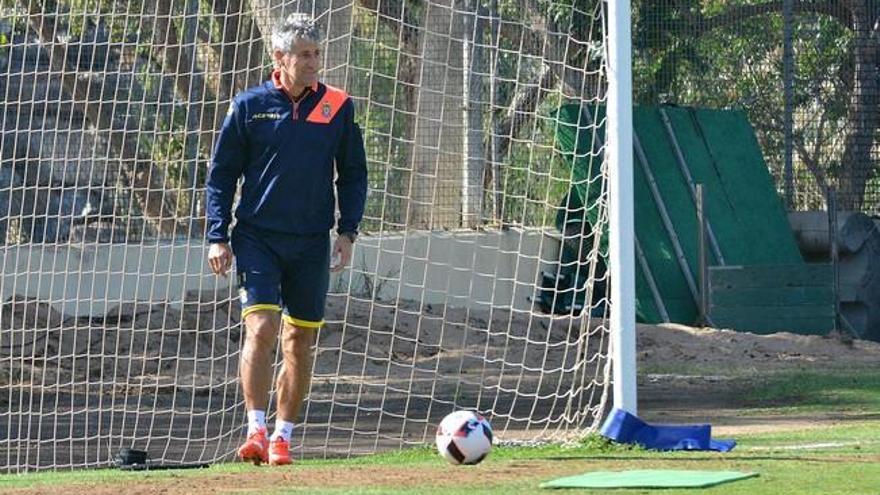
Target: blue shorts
{"x":282,"y":272}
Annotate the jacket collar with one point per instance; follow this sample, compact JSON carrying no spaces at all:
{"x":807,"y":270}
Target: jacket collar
{"x":276,"y":81}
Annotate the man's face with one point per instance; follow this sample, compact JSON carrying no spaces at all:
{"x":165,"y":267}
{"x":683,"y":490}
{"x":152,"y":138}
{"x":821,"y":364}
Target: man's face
{"x":302,"y":64}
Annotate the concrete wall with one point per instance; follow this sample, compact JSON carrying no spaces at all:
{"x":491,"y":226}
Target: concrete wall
{"x":464,"y":269}
{"x":88,"y":279}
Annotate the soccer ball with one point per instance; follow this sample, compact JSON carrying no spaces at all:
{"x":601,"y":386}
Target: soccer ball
{"x":464,"y":437}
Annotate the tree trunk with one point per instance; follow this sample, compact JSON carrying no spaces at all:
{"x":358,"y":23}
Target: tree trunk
{"x":146,"y":181}
{"x":474,"y":109}
{"x":267,"y":13}
{"x":401,"y":20}
{"x":335,"y":19}
{"x":189,"y":84}
{"x":863,"y":116}
{"x":556,"y":69}
{"x":435,"y":199}
{"x":241,"y":51}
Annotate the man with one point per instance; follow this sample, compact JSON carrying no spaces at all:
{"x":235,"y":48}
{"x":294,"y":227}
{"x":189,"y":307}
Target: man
{"x":285,"y":138}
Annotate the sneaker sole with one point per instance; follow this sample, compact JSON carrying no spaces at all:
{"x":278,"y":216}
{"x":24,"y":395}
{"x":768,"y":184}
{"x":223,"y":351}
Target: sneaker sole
{"x":251,"y":454}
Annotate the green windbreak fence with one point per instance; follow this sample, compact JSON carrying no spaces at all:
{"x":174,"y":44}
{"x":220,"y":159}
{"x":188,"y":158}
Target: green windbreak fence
{"x":674,"y":149}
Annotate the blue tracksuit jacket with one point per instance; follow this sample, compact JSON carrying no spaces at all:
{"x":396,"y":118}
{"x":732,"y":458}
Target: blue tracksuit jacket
{"x":286,"y":153}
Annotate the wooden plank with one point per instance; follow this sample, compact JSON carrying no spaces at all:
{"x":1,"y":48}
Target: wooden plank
{"x":761,"y":296}
{"x":769,"y":276}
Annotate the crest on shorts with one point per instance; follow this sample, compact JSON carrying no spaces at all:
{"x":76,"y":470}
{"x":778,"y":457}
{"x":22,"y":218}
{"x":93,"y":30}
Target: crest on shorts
{"x":325,"y":109}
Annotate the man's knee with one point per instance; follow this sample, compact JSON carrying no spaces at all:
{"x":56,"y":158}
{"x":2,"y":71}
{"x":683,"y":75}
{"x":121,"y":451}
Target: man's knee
{"x":297,"y":341}
{"x":262,"y":327}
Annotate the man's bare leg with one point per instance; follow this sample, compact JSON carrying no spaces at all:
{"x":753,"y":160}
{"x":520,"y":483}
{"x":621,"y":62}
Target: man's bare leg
{"x":255,"y":368}
{"x":296,"y":373}
{"x":256,"y":358}
{"x":291,"y":387}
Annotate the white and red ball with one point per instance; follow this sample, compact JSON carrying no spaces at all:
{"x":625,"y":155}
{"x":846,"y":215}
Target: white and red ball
{"x":464,"y":437}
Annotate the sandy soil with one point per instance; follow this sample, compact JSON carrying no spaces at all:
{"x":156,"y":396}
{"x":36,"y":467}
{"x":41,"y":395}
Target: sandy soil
{"x":382,"y":378}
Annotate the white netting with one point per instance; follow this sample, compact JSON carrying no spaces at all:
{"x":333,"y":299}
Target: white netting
{"x":478,"y":117}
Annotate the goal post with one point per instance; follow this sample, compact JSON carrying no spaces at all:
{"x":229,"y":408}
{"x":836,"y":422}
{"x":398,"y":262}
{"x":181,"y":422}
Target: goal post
{"x":622,"y":232}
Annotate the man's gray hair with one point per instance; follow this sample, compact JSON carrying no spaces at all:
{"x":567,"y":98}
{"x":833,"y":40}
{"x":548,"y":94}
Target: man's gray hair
{"x":295,"y":26}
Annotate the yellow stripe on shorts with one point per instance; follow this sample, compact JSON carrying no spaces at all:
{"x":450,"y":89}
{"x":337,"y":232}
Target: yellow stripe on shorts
{"x":303,"y":323}
{"x":259,"y":307}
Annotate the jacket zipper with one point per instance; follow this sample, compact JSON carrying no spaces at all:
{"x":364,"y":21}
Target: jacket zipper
{"x":296,"y":104}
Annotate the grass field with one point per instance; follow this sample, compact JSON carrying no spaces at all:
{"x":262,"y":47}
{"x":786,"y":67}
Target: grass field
{"x":834,"y":450}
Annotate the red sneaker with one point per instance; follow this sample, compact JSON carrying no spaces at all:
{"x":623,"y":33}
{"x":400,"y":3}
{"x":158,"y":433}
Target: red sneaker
{"x":256,"y":448}
{"x":279,"y":452}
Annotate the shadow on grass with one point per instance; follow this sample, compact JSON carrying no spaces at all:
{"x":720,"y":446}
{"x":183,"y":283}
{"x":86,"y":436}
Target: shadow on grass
{"x":836,"y":390}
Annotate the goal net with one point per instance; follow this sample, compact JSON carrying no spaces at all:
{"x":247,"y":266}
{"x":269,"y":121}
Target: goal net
{"x":478,"y":282}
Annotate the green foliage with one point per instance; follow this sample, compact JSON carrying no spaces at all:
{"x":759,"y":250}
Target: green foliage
{"x":382,"y":111}
{"x":678,"y":59}
{"x":534,"y":178}
{"x":536,"y":175}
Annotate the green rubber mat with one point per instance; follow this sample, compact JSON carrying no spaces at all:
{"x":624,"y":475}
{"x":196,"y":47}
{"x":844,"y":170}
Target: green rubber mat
{"x":648,"y":478}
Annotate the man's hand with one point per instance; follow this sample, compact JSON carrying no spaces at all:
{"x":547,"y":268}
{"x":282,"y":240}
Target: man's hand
{"x":220,"y":258}
{"x":341,"y":254}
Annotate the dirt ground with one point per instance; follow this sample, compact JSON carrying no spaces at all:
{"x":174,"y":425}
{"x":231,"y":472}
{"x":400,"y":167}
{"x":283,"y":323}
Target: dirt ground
{"x":383,"y":371}
{"x":733,"y":351}
{"x":698,"y":374}
{"x":376,"y":477}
